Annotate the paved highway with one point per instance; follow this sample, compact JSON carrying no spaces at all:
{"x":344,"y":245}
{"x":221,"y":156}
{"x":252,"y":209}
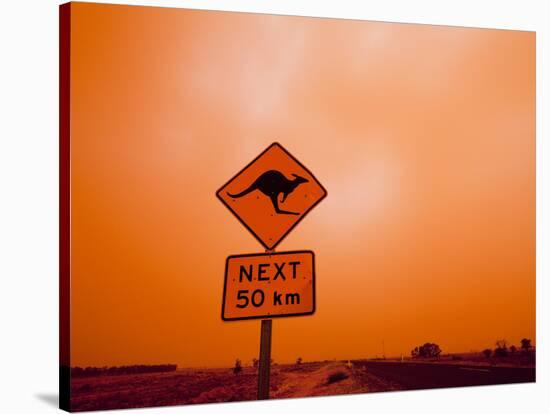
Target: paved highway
{"x":413,"y":375}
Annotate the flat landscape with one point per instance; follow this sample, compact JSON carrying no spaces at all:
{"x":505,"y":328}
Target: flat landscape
{"x":195,"y":386}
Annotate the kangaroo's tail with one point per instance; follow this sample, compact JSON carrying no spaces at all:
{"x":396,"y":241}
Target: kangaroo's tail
{"x":243,"y":193}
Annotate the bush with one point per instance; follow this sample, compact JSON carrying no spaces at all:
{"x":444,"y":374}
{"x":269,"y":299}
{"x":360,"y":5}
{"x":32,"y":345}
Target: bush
{"x":500,"y":352}
{"x":238,"y":367}
{"x":337,"y":376}
{"x":502,"y":348}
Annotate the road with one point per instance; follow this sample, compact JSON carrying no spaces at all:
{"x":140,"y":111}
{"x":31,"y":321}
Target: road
{"x":413,"y":375}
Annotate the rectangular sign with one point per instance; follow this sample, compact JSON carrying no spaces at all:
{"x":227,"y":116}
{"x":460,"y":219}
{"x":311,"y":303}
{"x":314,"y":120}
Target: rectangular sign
{"x":269,"y":285}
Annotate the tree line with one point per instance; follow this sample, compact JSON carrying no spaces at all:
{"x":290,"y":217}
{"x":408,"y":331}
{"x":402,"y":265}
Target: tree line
{"x":122,"y":370}
{"x":432,"y":350}
{"x":503,"y":350}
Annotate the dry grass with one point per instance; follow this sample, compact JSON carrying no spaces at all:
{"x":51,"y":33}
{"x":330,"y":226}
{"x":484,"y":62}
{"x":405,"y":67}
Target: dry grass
{"x":209,"y":385}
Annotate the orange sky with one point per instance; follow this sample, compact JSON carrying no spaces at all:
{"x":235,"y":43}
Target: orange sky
{"x":423,"y":136}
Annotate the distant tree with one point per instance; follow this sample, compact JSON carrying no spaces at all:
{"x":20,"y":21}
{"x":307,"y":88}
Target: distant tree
{"x":428,"y":350}
{"x":432,"y":350}
{"x":487,"y":353}
{"x":255,"y":362}
{"x":513,"y":349}
{"x":238,"y":366}
{"x":526,"y":345}
{"x":501,"y":343}
{"x":502,"y":348}
{"x":299,"y":361}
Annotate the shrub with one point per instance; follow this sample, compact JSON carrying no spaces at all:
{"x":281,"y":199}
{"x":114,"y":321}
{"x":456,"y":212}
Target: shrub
{"x":238,"y":367}
{"x":337,"y":376}
{"x":500,"y":352}
{"x":502,"y":348}
{"x":487,"y":353}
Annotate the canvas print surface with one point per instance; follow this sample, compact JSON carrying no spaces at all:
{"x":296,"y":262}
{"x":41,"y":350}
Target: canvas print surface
{"x":256,"y":206}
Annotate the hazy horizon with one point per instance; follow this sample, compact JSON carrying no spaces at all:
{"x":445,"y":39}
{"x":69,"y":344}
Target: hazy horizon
{"x":248,"y":361}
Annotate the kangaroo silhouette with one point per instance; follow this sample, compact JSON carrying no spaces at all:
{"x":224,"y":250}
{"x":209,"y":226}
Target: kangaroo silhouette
{"x":272,"y":183}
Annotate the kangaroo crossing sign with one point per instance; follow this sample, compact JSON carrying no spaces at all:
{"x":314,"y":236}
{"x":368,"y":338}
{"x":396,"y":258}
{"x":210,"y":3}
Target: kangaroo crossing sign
{"x":268,"y":285}
{"x":271,"y":195}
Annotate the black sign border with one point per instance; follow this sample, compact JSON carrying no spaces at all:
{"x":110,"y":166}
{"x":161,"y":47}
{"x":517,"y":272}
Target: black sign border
{"x":268,"y":247}
{"x":236,"y":256}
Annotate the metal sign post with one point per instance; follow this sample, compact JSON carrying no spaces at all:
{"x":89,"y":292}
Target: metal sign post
{"x":265,"y":360}
{"x":264,"y":363}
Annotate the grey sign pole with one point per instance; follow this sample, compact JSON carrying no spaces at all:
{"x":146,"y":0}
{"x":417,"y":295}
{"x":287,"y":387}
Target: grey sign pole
{"x":265,"y":360}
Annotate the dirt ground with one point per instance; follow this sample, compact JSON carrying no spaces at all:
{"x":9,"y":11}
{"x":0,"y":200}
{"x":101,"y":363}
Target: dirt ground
{"x":188,"y":386}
